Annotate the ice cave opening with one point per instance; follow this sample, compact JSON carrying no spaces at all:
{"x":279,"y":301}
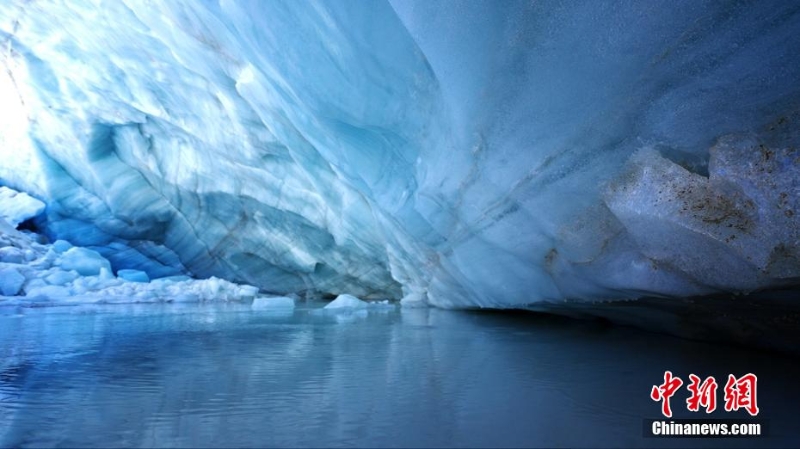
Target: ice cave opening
{"x":399,"y":223}
{"x":638,"y":161}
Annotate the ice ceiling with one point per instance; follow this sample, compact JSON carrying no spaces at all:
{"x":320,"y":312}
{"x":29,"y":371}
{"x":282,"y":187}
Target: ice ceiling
{"x":479,"y":153}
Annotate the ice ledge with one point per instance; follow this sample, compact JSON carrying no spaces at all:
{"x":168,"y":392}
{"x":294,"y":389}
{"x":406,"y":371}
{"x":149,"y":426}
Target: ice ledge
{"x":16,"y":207}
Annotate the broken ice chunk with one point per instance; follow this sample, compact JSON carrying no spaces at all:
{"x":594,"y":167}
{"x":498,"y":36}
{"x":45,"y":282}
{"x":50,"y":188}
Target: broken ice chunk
{"x":85,"y":261}
{"x":346,"y":302}
{"x":10,"y":281}
{"x":274,"y":302}
{"x":16,"y":207}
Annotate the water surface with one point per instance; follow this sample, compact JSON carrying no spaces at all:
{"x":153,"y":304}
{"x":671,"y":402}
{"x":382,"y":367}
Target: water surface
{"x":228,"y":376}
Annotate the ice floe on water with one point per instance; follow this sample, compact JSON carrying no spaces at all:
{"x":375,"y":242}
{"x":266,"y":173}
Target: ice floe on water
{"x":346,"y":302}
{"x":273,"y":303}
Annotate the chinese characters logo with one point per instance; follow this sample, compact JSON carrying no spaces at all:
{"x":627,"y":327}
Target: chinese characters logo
{"x":738,"y":393}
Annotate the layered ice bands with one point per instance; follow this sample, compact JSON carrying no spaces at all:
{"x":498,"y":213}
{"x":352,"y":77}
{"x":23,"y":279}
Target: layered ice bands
{"x":39,"y":274}
{"x":491,"y":154}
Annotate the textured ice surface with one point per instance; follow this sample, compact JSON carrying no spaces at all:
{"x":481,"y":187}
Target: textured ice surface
{"x":84,"y":261}
{"x":16,"y":207}
{"x":735,"y":229}
{"x":62,"y":274}
{"x":460,"y":153}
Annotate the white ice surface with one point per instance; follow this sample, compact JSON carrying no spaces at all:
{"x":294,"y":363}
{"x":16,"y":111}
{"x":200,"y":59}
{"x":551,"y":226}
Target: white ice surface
{"x":346,"y":301}
{"x":84,"y":261}
{"x":16,"y":207}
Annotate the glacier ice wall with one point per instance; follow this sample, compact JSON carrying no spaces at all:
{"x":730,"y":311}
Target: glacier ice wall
{"x":472,"y":153}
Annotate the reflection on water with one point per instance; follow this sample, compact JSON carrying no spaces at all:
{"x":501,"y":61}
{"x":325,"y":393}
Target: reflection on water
{"x":226,"y":376}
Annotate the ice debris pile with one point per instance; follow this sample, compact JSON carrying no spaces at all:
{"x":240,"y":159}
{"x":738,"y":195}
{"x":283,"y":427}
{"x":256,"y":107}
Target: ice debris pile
{"x":462,"y":154}
{"x":32,"y":272}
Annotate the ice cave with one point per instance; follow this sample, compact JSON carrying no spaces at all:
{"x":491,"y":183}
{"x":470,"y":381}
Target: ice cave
{"x":636,"y":162}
